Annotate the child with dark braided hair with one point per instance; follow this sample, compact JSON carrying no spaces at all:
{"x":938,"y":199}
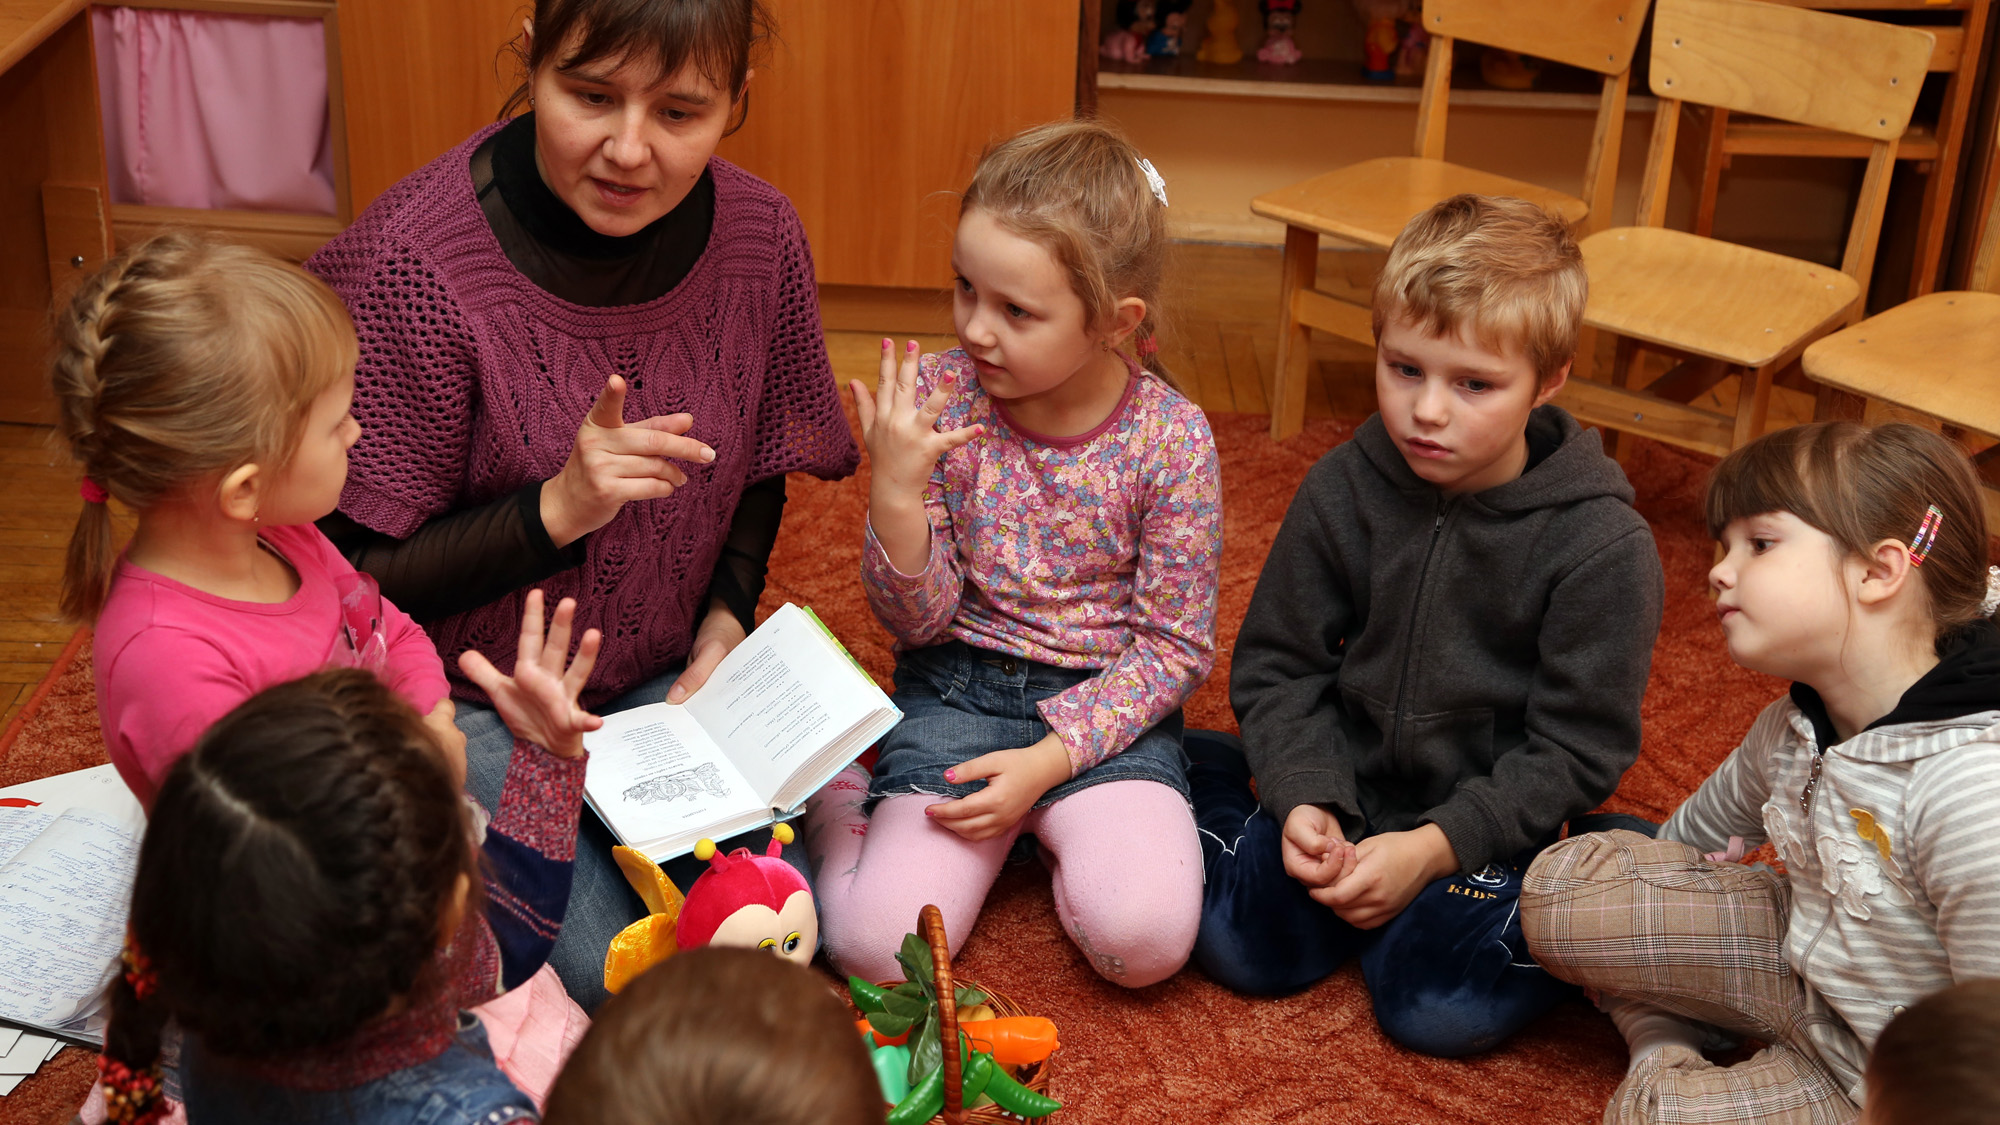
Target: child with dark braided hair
{"x":311,"y":911}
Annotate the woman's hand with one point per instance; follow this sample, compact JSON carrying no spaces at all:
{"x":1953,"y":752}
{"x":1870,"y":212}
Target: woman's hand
{"x":612,"y":464}
{"x":903,"y":447}
{"x":1015,"y":780}
{"x":718,"y":636}
{"x":538,"y":702}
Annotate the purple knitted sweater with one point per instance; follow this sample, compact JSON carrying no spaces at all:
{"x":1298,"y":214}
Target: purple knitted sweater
{"x":473,"y":380}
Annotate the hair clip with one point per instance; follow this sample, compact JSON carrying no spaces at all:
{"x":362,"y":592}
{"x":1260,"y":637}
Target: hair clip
{"x":1920,"y":547}
{"x":1991,"y":602}
{"x":1154,"y":181}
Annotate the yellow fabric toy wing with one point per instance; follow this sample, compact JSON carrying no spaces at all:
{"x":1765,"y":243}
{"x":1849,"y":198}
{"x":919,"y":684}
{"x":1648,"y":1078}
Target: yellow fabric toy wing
{"x":1872,"y":832}
{"x":651,"y":939}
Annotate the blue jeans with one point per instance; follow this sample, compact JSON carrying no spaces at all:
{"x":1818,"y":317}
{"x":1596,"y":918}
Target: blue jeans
{"x":960,"y":702}
{"x":601,"y":902}
{"x":462,"y":1086}
{"x":1449,"y":976}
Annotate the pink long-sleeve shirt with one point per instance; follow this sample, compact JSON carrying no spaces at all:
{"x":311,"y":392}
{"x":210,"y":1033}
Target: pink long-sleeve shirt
{"x":169,"y":659}
{"x":1101,"y":550}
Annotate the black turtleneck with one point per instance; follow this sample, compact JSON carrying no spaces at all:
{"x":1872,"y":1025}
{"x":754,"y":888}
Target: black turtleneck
{"x":465,"y":559}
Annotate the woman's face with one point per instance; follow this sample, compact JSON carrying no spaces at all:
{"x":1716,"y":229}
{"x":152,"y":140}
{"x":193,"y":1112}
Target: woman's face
{"x":620,"y":148}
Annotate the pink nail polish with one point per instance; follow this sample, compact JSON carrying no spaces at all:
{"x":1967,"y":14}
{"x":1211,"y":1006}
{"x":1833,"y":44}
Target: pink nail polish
{"x":951,"y":776}
{"x":911,"y":346}
{"x":928,"y":812}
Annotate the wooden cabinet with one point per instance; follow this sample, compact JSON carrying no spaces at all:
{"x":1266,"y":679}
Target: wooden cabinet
{"x":871,"y":114}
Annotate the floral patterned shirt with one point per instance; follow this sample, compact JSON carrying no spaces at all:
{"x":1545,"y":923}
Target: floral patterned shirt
{"x":1101,"y":550}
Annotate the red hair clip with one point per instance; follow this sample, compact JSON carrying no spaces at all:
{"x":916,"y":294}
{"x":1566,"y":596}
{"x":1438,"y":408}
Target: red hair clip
{"x":1920,"y":547}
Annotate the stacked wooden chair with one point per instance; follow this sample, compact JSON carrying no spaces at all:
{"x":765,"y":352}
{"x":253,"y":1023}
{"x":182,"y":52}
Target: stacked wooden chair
{"x":1369,"y":203}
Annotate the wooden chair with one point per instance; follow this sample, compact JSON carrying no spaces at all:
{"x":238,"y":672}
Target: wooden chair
{"x":1933,"y":145}
{"x":1938,"y":355}
{"x":1370,"y":203}
{"x":1719,"y":308}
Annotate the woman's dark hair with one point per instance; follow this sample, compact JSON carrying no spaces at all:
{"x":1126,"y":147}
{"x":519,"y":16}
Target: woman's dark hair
{"x":720,"y":1036}
{"x":296,"y":867}
{"x":719,"y":37}
{"x":1933,"y":1064}
{"x":1863,"y":484}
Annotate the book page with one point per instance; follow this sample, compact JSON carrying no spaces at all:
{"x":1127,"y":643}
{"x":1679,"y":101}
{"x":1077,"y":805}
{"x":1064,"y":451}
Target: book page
{"x":63,"y":900}
{"x":654,"y":773}
{"x":780,"y":698}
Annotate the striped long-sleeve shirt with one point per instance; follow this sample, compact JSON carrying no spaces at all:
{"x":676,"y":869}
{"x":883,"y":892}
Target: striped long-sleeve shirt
{"x":1894,"y":865}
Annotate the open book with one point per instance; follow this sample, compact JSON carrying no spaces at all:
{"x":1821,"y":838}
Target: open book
{"x":69,"y":846}
{"x":782,"y":714}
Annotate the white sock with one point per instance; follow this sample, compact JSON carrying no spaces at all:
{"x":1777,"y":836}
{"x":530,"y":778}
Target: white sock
{"x":1649,"y":1030}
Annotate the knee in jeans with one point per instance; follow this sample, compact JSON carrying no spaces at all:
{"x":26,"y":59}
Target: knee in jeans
{"x":1440,"y":1026}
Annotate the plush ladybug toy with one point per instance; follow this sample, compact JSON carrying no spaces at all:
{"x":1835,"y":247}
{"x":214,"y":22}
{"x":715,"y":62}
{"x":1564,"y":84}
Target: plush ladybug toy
{"x":759,"y":901}
{"x":756,"y":901}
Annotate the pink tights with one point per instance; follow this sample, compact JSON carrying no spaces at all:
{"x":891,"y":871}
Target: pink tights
{"x":1123,"y":857}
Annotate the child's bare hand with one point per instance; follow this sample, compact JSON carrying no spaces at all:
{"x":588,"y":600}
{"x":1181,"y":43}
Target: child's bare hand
{"x":1314,"y":851}
{"x":901,"y":433}
{"x":1015,"y":780}
{"x":538,"y":702}
{"x":1389,"y":870}
{"x":449,"y":738}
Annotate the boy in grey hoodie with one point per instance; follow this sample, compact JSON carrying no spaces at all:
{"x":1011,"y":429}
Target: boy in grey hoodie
{"x":1444,"y":656}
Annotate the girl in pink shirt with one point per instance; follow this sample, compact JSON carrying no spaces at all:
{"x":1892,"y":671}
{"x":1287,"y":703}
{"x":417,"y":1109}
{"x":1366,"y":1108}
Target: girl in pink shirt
{"x":1044,"y":538}
{"x":206,"y":386}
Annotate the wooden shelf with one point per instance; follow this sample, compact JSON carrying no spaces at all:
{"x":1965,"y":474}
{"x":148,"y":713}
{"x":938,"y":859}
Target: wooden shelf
{"x":1340,"y":80}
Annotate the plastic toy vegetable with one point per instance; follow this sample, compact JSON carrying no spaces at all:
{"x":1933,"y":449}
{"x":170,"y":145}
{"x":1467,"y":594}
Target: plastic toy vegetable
{"x":1014,"y":1040}
{"x":890,"y":1064}
{"x":923,"y":1101}
{"x":1016,"y":1098}
{"x":867,"y":997}
{"x":877,"y":1039}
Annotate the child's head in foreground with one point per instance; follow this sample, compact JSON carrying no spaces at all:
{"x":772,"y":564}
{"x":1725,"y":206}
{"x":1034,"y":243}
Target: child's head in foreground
{"x":302,"y":866}
{"x":1936,"y":1063}
{"x":720,"y":1036}
{"x":1819,"y":525}
{"x":1060,"y":253}
{"x":1476,"y":317}
{"x":191,"y":370}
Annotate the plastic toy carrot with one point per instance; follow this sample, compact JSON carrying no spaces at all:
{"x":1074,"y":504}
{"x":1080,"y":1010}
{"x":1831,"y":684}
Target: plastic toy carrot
{"x":1013,"y":1040}
{"x":880,"y":1039}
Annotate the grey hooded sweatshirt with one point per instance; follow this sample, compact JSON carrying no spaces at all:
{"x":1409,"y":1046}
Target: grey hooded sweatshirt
{"x":1413,"y":657}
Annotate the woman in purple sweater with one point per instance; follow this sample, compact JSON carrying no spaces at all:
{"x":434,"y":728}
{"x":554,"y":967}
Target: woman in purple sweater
{"x":590,"y":351}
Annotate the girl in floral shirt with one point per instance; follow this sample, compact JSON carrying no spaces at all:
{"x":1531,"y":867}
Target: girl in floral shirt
{"x":1044,"y":534}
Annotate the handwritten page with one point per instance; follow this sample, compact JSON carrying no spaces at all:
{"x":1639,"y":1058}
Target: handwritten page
{"x":63,"y":900}
{"x":654,"y":773}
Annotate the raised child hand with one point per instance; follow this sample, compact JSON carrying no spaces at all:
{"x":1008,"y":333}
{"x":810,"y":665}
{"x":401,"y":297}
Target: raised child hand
{"x":538,"y":702}
{"x":901,"y":433}
{"x":1015,"y":780}
{"x":1314,"y":851}
{"x":1389,"y":870}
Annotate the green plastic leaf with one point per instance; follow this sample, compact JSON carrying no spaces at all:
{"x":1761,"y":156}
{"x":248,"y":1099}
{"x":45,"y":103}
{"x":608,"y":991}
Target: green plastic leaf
{"x":909,"y":1007}
{"x":967,"y":997}
{"x":915,"y":958}
{"x":926,"y":1053}
{"x":909,"y":988}
{"x":889,"y":1024}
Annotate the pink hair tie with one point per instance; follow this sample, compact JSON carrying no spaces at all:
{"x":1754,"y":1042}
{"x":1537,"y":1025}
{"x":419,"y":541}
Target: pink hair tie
{"x":92,"y":492}
{"x":1149,"y":347}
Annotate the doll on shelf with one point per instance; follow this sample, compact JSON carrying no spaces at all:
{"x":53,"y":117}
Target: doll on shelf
{"x":1278,"y":48}
{"x":1220,"y":46}
{"x":1136,"y":21}
{"x":1165,"y":41}
{"x":1378,"y":47}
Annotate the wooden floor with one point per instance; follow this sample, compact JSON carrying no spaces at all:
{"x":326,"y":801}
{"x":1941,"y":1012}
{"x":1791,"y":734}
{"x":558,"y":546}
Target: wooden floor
{"x":1221,"y":342}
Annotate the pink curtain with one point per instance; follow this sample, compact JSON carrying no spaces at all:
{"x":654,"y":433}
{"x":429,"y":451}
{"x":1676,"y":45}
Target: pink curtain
{"x":215,"y":111}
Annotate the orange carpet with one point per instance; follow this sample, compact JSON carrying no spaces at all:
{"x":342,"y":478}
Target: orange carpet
{"x":1187,"y":1050}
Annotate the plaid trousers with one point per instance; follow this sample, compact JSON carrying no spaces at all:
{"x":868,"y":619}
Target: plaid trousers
{"x":1653,"y":921}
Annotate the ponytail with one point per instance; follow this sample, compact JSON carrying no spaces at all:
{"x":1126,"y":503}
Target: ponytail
{"x":130,"y":1065}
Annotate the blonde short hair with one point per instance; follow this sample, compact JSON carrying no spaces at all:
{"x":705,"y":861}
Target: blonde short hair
{"x":1501,"y":267}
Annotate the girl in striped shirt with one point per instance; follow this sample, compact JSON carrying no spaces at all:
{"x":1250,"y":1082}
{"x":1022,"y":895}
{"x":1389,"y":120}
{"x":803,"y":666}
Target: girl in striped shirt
{"x":1854,"y":564}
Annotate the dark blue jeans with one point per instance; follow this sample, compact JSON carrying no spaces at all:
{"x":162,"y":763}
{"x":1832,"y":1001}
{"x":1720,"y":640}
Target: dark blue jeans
{"x":1449,"y":976}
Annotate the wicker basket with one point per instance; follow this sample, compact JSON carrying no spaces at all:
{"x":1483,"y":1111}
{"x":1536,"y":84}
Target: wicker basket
{"x":1035,"y":1076}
